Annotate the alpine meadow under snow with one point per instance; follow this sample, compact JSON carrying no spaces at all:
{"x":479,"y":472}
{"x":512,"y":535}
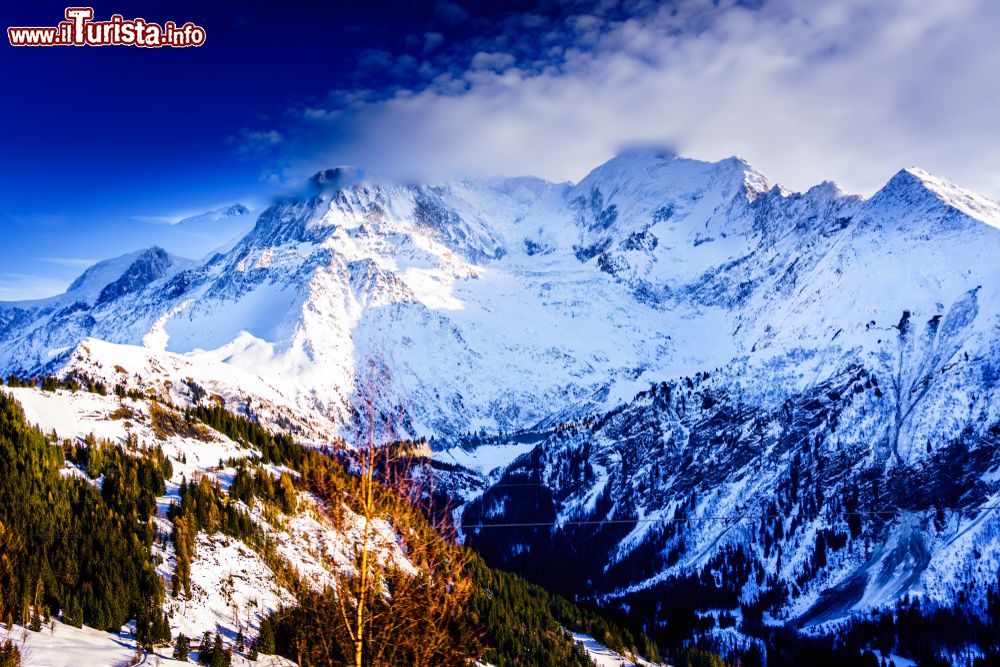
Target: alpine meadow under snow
{"x":736,"y":418}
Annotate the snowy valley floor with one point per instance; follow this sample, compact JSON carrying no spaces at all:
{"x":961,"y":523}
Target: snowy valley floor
{"x":60,"y":645}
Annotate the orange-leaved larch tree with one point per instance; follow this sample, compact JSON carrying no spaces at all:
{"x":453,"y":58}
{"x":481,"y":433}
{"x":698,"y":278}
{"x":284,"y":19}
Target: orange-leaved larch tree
{"x":401,"y":603}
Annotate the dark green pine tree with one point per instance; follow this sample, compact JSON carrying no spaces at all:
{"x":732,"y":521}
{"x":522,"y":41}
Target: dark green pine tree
{"x":221,"y":656}
{"x":265,"y":642}
{"x":73,"y":613}
{"x":161,"y":629}
{"x":205,"y":649}
{"x":36,"y":620}
{"x":181,"y":647}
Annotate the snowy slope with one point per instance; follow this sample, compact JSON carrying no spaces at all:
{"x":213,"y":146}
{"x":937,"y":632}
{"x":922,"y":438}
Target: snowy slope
{"x":605,"y":657}
{"x":61,"y":645}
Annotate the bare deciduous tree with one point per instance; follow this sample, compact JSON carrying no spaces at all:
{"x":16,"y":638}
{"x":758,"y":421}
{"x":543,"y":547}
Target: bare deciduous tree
{"x":400,"y":602}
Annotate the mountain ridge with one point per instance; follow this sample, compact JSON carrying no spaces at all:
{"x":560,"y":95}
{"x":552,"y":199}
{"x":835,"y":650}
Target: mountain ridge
{"x":681,"y":236}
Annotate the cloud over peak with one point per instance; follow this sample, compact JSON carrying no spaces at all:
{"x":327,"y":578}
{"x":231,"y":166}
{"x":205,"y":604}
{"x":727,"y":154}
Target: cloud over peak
{"x":848,"y":89}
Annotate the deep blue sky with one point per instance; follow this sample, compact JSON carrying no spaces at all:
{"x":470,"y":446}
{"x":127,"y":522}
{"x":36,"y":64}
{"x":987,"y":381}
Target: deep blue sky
{"x":99,"y":142}
{"x":101,"y":145}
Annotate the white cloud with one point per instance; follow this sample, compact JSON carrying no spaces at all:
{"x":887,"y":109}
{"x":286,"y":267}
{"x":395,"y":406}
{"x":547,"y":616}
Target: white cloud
{"x":432,"y":40}
{"x":497,"y":61}
{"x":71,"y":262}
{"x":250,"y":142}
{"x":848,"y":89}
{"x":157,"y":219}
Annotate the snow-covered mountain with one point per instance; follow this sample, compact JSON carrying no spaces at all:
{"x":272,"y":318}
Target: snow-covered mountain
{"x":199,"y":235}
{"x":37,"y":333}
{"x":843,"y":342}
{"x":567,"y":298}
{"x":490,"y":272}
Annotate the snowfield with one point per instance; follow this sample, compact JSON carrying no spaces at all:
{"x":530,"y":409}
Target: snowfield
{"x":61,"y":645}
{"x":231,"y":589}
{"x":605,"y":657}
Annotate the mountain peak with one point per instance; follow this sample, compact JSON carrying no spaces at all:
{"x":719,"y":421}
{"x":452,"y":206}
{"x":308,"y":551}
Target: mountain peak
{"x":110,"y":278}
{"x":827,"y":190}
{"x":643,"y":165}
{"x":148,"y":266}
{"x":235,"y":210}
{"x":336,"y":178}
{"x":914,"y":185}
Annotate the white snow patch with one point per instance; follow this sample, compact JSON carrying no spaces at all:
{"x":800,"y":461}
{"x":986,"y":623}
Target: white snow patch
{"x":605,"y":657}
{"x":485,"y":458}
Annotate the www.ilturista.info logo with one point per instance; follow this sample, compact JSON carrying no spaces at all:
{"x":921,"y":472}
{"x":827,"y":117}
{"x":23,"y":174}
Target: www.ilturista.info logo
{"x":79,"y":29}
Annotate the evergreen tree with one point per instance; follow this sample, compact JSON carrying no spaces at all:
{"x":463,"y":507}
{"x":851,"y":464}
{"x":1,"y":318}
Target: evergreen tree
{"x":36,"y":621}
{"x":221,"y":656}
{"x":242,"y":487}
{"x":73,"y":613}
{"x":181,"y":647}
{"x":287,"y":497}
{"x":151,"y":626}
{"x":36,"y":617}
{"x":35,"y":624}
{"x":265,"y":641}
{"x":10,"y":656}
{"x":205,"y":649}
